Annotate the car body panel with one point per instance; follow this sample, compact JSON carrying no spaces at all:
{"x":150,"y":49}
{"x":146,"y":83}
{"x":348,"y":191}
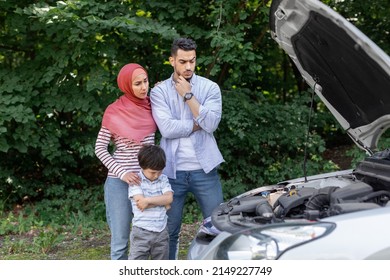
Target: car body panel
{"x":349,"y":241}
{"x":330,"y":247}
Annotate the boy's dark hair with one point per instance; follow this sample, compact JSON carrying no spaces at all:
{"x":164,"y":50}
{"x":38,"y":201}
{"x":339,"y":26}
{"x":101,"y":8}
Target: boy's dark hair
{"x":151,"y":157}
{"x":185,"y":44}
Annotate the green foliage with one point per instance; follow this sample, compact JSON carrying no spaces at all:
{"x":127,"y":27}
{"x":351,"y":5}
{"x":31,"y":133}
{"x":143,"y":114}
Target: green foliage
{"x":46,"y":225}
{"x":46,"y":240}
{"x":57,"y":76}
{"x":191,"y":212}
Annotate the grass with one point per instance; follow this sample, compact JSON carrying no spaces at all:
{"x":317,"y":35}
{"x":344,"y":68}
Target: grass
{"x":24,"y":238}
{"x":23,"y":247}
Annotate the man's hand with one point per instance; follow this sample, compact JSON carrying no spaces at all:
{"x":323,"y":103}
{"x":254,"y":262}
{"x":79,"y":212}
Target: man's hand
{"x":182,"y":86}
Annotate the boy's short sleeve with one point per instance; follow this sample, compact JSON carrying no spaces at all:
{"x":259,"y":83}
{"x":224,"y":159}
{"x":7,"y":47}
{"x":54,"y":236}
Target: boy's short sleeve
{"x":166,"y":187}
{"x":134,"y":190}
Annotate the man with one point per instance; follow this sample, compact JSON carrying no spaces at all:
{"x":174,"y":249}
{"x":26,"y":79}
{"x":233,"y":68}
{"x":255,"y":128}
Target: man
{"x":187,"y":109}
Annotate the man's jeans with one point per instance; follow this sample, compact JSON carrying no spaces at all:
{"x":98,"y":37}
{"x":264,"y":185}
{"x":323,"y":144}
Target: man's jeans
{"x":119,"y":215}
{"x":207,"y":190}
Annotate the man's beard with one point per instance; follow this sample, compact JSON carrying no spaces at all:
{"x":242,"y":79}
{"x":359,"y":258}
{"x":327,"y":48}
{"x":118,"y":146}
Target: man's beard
{"x":187,"y":79}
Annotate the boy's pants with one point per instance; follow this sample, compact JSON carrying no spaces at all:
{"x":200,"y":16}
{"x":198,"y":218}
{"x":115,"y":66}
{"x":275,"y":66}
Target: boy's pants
{"x":145,"y":244}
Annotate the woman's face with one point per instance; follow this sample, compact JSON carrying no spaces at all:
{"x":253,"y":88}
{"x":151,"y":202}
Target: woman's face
{"x":141,"y":86}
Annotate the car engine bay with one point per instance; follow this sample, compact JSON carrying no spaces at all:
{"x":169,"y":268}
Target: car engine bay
{"x":366,"y":187}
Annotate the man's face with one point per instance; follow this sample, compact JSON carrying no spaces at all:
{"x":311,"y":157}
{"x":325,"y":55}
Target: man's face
{"x":183,"y":63}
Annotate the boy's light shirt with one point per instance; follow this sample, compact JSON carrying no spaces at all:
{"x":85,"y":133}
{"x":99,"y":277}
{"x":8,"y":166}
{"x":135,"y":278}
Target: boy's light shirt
{"x":154,"y":218}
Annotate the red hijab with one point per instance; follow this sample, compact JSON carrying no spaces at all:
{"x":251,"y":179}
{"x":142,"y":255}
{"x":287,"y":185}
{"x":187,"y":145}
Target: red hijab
{"x":129,"y":117}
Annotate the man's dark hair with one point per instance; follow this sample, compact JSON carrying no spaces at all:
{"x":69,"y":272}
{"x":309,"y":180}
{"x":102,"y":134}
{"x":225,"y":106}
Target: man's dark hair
{"x":151,"y":157}
{"x":185,"y":44}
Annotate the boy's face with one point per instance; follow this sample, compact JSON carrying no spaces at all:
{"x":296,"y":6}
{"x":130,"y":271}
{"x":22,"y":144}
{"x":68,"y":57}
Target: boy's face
{"x":151,"y":174}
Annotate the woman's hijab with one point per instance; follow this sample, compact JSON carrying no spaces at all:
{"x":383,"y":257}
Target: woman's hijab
{"x":129,"y":117}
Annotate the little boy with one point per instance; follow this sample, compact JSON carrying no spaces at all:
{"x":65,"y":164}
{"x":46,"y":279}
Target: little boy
{"x":149,"y":236}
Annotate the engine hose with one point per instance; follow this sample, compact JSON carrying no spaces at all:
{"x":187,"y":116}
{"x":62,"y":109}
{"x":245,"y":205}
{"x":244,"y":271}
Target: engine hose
{"x":373,"y":195}
{"x":320,"y":199}
{"x":264,"y":210}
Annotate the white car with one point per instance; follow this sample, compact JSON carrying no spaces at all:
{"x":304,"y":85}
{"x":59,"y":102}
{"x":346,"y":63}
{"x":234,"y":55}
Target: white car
{"x":339,"y":215}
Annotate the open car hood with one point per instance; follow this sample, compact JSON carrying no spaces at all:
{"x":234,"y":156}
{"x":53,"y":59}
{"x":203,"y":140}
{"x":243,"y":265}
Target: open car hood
{"x":349,"y":72}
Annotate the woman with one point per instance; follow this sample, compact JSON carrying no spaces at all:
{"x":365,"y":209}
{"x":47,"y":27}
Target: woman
{"x":128,"y":123}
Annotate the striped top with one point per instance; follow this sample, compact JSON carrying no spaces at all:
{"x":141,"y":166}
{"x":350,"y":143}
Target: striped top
{"x":154,"y":218}
{"x":125,"y":155}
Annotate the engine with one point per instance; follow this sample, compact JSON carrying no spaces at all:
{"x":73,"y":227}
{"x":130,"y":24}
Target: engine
{"x":310,"y":203}
{"x":366,"y":187}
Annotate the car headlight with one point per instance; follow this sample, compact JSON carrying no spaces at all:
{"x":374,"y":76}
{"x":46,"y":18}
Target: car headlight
{"x":268,"y":243}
